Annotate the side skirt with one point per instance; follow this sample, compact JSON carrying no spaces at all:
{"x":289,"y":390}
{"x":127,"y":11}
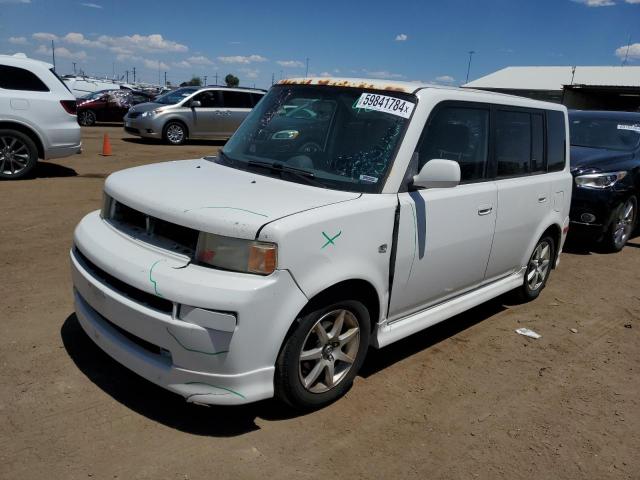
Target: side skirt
{"x":403,"y":327}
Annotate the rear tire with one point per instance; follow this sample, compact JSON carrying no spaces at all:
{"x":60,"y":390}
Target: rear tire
{"x":18,"y":154}
{"x":87,"y":118}
{"x":538,"y":269}
{"x":323,"y":354}
{"x":622,"y":226}
{"x":175,"y":133}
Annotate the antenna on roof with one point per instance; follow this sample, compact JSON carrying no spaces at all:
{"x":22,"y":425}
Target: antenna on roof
{"x":471,"y":52}
{"x":626,"y":55}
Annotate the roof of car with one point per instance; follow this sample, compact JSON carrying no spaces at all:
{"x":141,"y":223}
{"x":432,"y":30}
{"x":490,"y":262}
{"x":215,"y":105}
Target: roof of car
{"x":613,"y":115}
{"x":369,"y":83}
{"x":20,"y":59}
{"x":235,"y":89}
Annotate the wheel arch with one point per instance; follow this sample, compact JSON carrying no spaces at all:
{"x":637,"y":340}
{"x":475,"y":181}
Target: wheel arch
{"x":29,"y":132}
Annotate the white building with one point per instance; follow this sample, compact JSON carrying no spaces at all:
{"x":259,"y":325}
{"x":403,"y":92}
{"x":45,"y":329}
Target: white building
{"x":599,"y":88}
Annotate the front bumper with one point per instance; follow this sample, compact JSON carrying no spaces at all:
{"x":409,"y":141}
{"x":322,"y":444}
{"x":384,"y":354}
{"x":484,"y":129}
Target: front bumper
{"x":129,"y":297}
{"x":599,"y":203}
{"x":143,"y":127}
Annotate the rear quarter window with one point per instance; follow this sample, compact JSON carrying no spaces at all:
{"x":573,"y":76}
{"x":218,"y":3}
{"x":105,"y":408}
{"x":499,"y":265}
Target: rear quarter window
{"x":556,"y":138}
{"x":14,"y":78}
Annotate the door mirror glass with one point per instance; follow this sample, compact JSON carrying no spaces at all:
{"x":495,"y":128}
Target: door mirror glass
{"x":438,"y":173}
{"x":195,"y":103}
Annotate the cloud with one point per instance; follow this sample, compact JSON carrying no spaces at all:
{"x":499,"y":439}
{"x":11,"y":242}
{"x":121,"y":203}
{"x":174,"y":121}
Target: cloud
{"x":62,"y":52}
{"x":74,"y":38}
{"x":445,"y":79}
{"x":181,"y":64}
{"x":91,"y":5}
{"x":633,"y":51}
{"x":18,"y":40}
{"x":632,"y":1}
{"x":199,"y":60}
{"x":155,"y":64}
{"x":242,"y":59}
{"x":325,"y":74}
{"x":44,"y":37}
{"x":401,"y":37}
{"x":290,"y":63}
{"x":596,"y":3}
{"x":382,"y":74}
{"x":250,"y":72}
{"x":153,"y":43}
{"x":15,"y":1}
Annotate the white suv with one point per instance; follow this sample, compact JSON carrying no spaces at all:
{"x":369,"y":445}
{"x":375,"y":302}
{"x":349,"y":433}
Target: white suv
{"x":342,"y":214}
{"x":37,"y":116}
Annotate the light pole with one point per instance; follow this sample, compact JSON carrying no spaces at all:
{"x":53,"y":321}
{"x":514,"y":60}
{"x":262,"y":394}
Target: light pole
{"x":471,"y":52}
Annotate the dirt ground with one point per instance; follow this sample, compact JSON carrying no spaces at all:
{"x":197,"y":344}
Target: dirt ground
{"x":468,"y":398}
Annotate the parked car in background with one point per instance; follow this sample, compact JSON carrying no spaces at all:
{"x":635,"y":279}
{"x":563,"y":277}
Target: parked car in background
{"x":109,"y":105}
{"x":82,"y":86}
{"x":192,"y":112}
{"x":37,"y":116}
{"x":605,"y":163}
{"x":270,"y":271}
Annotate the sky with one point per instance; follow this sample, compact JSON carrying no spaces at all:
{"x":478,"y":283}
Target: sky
{"x":426,"y":40}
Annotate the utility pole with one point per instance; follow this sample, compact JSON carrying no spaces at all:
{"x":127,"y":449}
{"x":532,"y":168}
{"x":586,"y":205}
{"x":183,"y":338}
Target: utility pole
{"x":53,"y":54}
{"x":127,"y":72}
{"x":273,"y":78}
{"x":306,"y":73}
{"x":471,"y":52}
{"x":626,"y":55}
{"x":205,"y":80}
{"x":216,"y":78}
{"x":165,"y":79}
{"x":134,"y":74}
{"x":74,"y":68}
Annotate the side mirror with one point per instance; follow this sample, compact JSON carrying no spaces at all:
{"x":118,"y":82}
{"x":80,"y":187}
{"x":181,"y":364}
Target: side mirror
{"x":438,"y":173}
{"x":195,"y":103}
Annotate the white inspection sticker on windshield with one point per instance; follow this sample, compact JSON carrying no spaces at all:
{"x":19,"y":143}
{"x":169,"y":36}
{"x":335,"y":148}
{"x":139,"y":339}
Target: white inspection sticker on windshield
{"x":635,"y":128}
{"x":384,"y":103}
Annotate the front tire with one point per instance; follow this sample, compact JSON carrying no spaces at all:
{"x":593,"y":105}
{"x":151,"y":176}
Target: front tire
{"x":622,"y":226}
{"x":175,"y":133}
{"x":86,"y":118}
{"x":18,"y":154}
{"x":538,"y":269}
{"x":322,"y":356}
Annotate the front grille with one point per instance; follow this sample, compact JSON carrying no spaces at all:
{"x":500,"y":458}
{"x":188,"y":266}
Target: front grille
{"x":134,"y":114}
{"x":148,"y":346}
{"x":147,"y":299}
{"x":131,"y":130}
{"x":153,"y":230}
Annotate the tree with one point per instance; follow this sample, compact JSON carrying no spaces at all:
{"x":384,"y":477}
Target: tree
{"x":194,"y":82}
{"x":232,"y":80}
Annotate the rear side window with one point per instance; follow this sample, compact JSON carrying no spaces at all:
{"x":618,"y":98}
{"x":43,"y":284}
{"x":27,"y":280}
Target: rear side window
{"x":237,"y":99}
{"x":14,"y":78}
{"x":513,"y":143}
{"x":460,"y":134}
{"x":556,"y":138}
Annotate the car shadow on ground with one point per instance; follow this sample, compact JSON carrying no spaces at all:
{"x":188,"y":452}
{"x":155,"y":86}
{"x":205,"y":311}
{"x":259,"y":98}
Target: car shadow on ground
{"x":578,"y":246}
{"x":52,"y":170}
{"x":152,"y":141}
{"x":171,"y":410}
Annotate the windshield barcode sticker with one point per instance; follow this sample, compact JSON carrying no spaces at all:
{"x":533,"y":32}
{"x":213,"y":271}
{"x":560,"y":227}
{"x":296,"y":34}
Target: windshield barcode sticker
{"x":634,"y":128}
{"x":384,"y":103}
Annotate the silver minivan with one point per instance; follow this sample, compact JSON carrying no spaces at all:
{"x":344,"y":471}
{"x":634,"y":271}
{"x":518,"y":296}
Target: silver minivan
{"x":192,"y":112}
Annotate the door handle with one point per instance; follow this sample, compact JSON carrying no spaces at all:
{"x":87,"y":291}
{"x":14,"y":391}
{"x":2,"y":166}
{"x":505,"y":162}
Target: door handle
{"x":542,"y":199}
{"x":484,"y":210}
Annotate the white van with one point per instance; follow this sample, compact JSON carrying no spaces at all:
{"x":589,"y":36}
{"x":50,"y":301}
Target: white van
{"x":342,"y":214}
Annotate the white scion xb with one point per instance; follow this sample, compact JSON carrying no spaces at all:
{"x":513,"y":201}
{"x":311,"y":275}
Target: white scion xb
{"x":342,"y":214}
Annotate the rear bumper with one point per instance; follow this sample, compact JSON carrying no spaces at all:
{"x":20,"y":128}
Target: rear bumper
{"x":61,"y":152}
{"x":131,"y":300}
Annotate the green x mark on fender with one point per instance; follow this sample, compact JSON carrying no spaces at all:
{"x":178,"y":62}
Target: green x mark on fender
{"x":330,"y":240}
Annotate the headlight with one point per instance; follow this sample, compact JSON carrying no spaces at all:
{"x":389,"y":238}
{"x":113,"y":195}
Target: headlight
{"x":236,"y":254}
{"x":150,"y":113}
{"x":599,"y":180}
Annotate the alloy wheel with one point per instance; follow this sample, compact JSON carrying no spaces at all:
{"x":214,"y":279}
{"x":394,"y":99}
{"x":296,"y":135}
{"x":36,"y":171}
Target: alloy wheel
{"x":624,"y":223}
{"x":14,"y":155}
{"x":86,"y":118}
{"x":329,"y":351}
{"x":539,"y":266}
{"x":175,"y":133}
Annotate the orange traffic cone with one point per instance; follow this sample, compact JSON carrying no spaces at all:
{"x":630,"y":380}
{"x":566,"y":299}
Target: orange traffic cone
{"x":106,"y":146}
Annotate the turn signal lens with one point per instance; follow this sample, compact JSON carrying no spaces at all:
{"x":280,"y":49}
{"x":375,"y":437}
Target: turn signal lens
{"x":262,"y":259}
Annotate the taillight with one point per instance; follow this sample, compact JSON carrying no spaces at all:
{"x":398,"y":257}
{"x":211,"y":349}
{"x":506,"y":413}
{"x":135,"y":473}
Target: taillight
{"x":69,"y":106}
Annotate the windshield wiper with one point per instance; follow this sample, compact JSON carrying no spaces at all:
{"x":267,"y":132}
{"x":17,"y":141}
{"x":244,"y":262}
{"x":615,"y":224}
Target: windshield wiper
{"x":306,"y":175}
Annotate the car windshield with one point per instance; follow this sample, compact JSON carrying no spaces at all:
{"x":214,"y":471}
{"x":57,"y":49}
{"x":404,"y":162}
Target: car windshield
{"x":175,"y":96}
{"x":606,"y":133}
{"x":334,"y":137}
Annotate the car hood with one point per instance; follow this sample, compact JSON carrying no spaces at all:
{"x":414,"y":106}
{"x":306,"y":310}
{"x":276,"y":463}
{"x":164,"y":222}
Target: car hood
{"x":597,"y":159}
{"x":146,"y":106}
{"x":209,"y":197}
